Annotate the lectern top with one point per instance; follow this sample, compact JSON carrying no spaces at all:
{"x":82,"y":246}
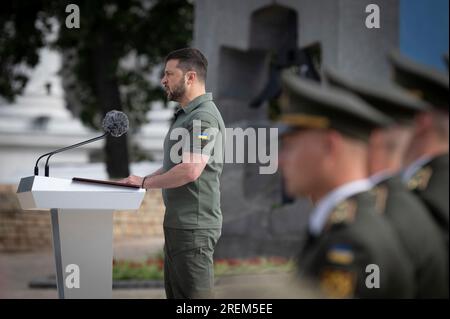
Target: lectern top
{"x":97,"y":181}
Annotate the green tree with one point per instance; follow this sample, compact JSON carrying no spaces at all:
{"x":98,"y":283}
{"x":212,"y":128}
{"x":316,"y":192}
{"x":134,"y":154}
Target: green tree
{"x":23,"y":25}
{"x":113,"y":32}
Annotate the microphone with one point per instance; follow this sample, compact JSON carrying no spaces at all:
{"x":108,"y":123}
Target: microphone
{"x":115,"y":123}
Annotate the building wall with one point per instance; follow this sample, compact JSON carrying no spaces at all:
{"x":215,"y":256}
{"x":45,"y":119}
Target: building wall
{"x":239,"y":38}
{"x":339,"y":26}
{"x":30,"y":231}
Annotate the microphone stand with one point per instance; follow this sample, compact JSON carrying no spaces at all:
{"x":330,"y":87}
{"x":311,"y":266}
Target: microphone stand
{"x":36,"y":169}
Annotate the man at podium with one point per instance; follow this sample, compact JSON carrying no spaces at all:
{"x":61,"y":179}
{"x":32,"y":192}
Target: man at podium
{"x":189,"y":178}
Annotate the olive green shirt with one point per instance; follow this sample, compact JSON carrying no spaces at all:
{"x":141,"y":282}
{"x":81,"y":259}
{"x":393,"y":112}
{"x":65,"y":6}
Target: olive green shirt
{"x":195,"y":205}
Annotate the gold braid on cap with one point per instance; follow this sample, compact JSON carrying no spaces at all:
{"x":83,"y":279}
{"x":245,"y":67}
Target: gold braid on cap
{"x":304,"y":120}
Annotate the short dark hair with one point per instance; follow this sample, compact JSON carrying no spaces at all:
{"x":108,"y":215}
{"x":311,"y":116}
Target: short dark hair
{"x":190,"y":59}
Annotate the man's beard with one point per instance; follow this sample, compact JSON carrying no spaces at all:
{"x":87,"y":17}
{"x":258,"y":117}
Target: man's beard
{"x":177,"y":92}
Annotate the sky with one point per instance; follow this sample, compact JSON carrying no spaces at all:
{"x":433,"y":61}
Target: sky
{"x":424,"y":30}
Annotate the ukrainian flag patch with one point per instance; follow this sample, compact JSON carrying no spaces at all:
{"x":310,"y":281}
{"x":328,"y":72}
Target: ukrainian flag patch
{"x":203,"y":136}
{"x":340,"y":254}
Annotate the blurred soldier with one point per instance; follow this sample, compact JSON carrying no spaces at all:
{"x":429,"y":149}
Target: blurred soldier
{"x":410,"y":218}
{"x":427,"y":156}
{"x":351,"y":251}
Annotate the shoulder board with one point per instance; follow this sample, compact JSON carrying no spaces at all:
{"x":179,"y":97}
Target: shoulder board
{"x":344,"y":213}
{"x":420,"y":179}
{"x":381,"y":193}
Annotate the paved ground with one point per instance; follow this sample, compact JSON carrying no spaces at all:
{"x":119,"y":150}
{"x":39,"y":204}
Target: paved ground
{"x":17,"y":269}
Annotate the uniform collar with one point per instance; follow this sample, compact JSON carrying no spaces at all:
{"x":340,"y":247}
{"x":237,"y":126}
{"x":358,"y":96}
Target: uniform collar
{"x":192,"y":105}
{"x":412,"y":169}
{"x":326,"y":205}
{"x":178,"y":110}
{"x":380,"y":177}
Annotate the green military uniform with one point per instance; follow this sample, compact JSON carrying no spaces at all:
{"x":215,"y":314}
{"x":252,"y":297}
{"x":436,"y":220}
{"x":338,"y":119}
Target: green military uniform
{"x":431,"y":181}
{"x":348,"y":242}
{"x":409,"y":217}
{"x":354,"y":238}
{"x":193,"y":218}
{"x":418,"y":234}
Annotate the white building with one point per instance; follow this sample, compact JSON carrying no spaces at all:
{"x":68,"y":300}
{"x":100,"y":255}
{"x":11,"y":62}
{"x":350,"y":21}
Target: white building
{"x":38,"y":122}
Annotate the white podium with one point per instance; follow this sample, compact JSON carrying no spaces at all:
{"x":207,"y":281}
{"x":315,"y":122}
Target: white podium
{"x":82,"y":227}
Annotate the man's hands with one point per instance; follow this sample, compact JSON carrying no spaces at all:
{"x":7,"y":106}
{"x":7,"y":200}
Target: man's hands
{"x":188,"y":171}
{"x":132,"y":180}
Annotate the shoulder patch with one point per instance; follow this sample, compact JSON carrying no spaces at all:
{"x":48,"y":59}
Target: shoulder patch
{"x":420,"y":179}
{"x":337,"y":283}
{"x":340,"y":255}
{"x":343,"y":213}
{"x":381,"y":194}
